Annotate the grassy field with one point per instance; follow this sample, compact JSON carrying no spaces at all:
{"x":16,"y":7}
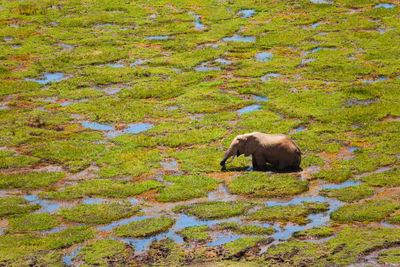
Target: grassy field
{"x":114,"y":116}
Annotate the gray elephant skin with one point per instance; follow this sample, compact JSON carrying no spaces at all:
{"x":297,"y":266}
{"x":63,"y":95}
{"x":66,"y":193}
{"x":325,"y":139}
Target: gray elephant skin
{"x":276,"y":149}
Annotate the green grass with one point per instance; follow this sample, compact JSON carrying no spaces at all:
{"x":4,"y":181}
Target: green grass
{"x":368,"y":211}
{"x":391,"y":256}
{"x":31,"y":222}
{"x":30,"y":180}
{"x":290,"y":213}
{"x":37,"y":249}
{"x":240,"y":244}
{"x":389,"y":178}
{"x":258,"y":184}
{"x":15,"y":205}
{"x":99,"y":213}
{"x":17,"y":162}
{"x":106,"y":188}
{"x":105,"y":252}
{"x":195,"y":233}
{"x":314,"y":233}
{"x":333,"y":175}
{"x":214,"y":210}
{"x":349,"y":194}
{"x":186,"y":187}
{"x":145,"y":228}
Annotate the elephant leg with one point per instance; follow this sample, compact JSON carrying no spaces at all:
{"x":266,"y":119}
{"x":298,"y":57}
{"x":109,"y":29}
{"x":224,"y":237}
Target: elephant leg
{"x":258,"y":161}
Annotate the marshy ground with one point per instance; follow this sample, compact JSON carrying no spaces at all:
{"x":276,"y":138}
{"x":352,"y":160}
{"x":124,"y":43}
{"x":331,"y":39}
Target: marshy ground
{"x":114,"y":116}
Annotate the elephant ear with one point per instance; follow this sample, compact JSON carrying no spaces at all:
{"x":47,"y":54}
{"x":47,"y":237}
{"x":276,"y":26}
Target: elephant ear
{"x":250,"y":145}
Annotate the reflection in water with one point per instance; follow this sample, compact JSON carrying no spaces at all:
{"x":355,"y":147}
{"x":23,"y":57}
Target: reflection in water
{"x":248,"y":109}
{"x":50,"y":77}
{"x":238,"y":38}
{"x":246,"y":13}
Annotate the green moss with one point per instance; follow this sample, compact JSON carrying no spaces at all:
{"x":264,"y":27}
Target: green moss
{"x":186,"y":187}
{"x":314,"y":233}
{"x":389,"y":178}
{"x":260,"y":184}
{"x":31,"y":222}
{"x":30,"y":180}
{"x":128,"y":161}
{"x":33,"y":248}
{"x":106,"y":188}
{"x":145,"y":228}
{"x":311,"y":160}
{"x":351,"y":243}
{"x":106,"y":252}
{"x":99,"y":213}
{"x":349,"y":194}
{"x":290,"y":213}
{"x":214,"y":210}
{"x":15,"y":205}
{"x":255,"y":230}
{"x":368,"y":211}
{"x":195,"y":233}
{"x":17,"y":162}
{"x":63,"y":150}
{"x":389,"y":256}
{"x":240,"y":244}
{"x":333,"y":175}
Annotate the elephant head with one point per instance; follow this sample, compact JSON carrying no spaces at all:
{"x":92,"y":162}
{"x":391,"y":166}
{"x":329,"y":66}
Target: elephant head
{"x":242,"y":144}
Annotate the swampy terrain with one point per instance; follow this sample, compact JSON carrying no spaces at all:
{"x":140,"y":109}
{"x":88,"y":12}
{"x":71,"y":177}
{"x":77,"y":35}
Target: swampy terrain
{"x":114,"y":116}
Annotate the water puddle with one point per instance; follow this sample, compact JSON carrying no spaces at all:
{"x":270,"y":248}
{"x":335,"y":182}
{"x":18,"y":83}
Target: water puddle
{"x":248,"y":109}
{"x":264,"y":56}
{"x":172,"y":107}
{"x":68,"y":259}
{"x":112,"y":89}
{"x":7,"y":39}
{"x":223,"y":61}
{"x":66,"y":46}
{"x":316,"y":220}
{"x":377,"y":80}
{"x":53,"y":23}
{"x":379,"y":170}
{"x":222,"y":194}
{"x":46,"y":205}
{"x":16,"y":46}
{"x":138,"y":62}
{"x":307,"y":60}
{"x":268,"y":76}
{"x":204,"y":67}
{"x":246,"y":13}
{"x":360,"y":102}
{"x":116,"y":66}
{"x":66,"y":103}
{"x":50,"y":77}
{"x":97,"y":126}
{"x":321,"y":2}
{"x":198,"y":26}
{"x":238,"y":38}
{"x":54,"y":230}
{"x":158,"y":37}
{"x":94,"y":201}
{"x":133,"y":128}
{"x":387,"y":6}
{"x":260,"y":98}
{"x":170,"y":166}
{"x":315,"y":25}
{"x":342,"y":185}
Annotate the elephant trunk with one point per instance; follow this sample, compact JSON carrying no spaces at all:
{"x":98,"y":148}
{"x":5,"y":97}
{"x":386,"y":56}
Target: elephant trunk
{"x":230,"y":153}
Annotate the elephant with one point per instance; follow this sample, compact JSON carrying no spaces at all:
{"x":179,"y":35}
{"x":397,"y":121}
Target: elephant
{"x":276,"y":149}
